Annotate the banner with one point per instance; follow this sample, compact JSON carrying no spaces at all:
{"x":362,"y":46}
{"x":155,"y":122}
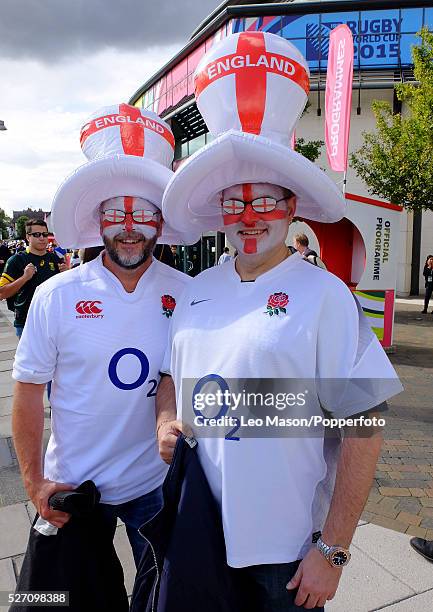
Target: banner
{"x":338,"y":97}
{"x":293,"y":140}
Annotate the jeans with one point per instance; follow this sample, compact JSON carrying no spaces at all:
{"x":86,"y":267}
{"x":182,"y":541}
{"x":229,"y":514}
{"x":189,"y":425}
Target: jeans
{"x":428,"y":294}
{"x":19,"y":330}
{"x":262,"y":588}
{"x":134,"y":513}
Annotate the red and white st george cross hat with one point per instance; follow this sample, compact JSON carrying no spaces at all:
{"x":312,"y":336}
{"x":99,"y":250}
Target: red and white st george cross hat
{"x":130,"y":151}
{"x":251,"y":89}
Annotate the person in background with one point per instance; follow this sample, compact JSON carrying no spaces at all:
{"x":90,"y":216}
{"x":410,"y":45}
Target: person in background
{"x":26,"y":270}
{"x":428,"y":275}
{"x":301,"y":244}
{"x":176,"y":259}
{"x":90,"y":253}
{"x":164,"y":253}
{"x":75,"y":258}
{"x":4,"y":255}
{"x":225,"y":256}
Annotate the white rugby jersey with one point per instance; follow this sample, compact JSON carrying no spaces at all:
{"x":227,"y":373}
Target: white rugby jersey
{"x":275,"y":492}
{"x":103,"y":349}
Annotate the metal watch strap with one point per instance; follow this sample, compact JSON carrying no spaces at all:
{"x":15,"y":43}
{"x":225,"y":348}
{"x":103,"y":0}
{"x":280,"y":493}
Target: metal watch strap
{"x":324,"y":548}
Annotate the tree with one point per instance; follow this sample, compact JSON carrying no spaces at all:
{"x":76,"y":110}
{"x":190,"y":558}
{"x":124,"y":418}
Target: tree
{"x":310,"y":149}
{"x":4,"y":224}
{"x":21,"y":226}
{"x":396,"y":162}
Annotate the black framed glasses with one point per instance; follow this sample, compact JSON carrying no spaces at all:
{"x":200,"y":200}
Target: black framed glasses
{"x":261,"y":205}
{"x":38,"y":234}
{"x":113,"y":215}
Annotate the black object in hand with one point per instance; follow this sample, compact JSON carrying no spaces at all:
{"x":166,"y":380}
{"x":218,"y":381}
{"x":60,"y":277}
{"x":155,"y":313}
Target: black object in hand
{"x":79,"y":502}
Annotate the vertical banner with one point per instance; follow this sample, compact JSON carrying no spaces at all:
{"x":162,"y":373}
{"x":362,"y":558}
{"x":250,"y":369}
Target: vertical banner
{"x":293,"y":140}
{"x":338,"y":97}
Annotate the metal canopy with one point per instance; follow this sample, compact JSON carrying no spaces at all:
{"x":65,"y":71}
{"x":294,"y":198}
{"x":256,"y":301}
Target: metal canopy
{"x":189,"y":123}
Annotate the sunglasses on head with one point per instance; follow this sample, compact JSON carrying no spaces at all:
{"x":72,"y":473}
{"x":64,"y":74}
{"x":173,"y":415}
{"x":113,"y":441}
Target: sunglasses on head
{"x":38,"y":234}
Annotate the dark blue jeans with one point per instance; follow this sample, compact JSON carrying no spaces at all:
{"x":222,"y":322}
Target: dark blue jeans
{"x":262,"y":588}
{"x":134,"y":513}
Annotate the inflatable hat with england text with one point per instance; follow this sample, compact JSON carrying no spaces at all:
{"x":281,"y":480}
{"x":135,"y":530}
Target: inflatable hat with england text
{"x":251,"y":89}
{"x":129,"y":152}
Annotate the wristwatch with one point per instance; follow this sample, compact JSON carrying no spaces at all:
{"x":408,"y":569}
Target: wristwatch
{"x":337,"y":556}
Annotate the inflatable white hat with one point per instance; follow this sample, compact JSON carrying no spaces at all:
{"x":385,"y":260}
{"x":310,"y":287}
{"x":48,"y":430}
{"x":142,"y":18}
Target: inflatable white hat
{"x":130,"y":152}
{"x":251,"y":89}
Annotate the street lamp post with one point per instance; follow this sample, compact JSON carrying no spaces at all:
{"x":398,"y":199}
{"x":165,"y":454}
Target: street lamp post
{"x":3,"y":128}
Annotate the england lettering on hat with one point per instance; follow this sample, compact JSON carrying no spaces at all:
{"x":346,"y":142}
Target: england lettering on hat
{"x":251,"y":89}
{"x":129,"y":151}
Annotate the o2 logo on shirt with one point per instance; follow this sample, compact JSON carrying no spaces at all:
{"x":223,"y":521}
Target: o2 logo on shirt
{"x":224,"y":389}
{"x":142,"y":377}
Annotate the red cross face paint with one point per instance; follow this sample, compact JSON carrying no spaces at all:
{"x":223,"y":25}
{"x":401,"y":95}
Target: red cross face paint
{"x":129,"y":227}
{"x":256,"y":231}
{"x":130,"y":214}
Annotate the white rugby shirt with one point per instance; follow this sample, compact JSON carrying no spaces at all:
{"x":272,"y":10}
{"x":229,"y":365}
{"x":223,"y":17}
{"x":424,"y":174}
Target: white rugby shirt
{"x":103,"y":349}
{"x":274,"y":492}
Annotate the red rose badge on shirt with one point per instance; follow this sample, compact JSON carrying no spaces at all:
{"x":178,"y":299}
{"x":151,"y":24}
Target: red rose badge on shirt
{"x":168,"y":305}
{"x":277,"y":303}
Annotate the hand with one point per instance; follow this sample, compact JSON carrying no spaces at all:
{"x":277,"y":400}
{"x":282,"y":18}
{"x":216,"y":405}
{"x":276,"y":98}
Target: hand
{"x":29,"y":271}
{"x":167,"y":434}
{"x":40,"y":492}
{"x":62,"y":267}
{"x":316,"y":581}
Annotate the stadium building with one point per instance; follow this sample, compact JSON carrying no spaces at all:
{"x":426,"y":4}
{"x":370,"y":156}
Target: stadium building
{"x":383,"y":31}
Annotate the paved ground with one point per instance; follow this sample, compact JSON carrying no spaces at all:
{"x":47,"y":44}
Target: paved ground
{"x":402,"y":496}
{"x":385,"y":574}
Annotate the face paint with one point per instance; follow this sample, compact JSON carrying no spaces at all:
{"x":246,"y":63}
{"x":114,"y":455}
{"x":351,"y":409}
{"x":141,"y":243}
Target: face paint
{"x":266,"y":229}
{"x":128,"y":242}
{"x":112,"y":227}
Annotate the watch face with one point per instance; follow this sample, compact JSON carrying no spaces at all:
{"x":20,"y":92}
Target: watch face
{"x":340,"y":558}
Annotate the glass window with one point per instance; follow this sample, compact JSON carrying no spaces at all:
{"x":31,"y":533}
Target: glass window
{"x":197,"y":143}
{"x":184,"y":150}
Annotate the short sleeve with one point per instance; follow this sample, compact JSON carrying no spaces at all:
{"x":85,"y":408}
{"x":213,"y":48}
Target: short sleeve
{"x":166,"y":367}
{"x":36,"y":354}
{"x":12,"y":270}
{"x":353,"y":372}
{"x":166,"y":362}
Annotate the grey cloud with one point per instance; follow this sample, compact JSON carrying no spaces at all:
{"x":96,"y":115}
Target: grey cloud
{"x":52,"y":30}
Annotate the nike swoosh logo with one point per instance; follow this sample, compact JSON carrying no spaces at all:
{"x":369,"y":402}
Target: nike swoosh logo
{"x":194,"y":302}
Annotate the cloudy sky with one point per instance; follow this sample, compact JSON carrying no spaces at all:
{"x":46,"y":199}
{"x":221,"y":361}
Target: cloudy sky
{"x":62,"y":59}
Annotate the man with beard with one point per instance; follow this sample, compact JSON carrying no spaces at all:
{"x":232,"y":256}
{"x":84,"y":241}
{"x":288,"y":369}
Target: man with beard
{"x":290,"y":497}
{"x":99,"y":331}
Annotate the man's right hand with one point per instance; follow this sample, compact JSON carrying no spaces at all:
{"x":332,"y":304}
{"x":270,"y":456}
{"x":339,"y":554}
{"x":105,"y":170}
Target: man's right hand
{"x":40,"y":493}
{"x":29,"y":271}
{"x":168,"y":434}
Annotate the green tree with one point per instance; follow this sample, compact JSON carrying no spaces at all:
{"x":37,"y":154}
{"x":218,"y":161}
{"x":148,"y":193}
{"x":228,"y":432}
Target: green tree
{"x":396,"y":161}
{"x":4,"y":224}
{"x":21,"y":226}
{"x":310,"y":149}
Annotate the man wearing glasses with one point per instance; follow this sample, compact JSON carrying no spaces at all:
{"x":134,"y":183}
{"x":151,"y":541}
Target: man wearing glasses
{"x":27,"y":270}
{"x":100,"y":331}
{"x":290,"y":496}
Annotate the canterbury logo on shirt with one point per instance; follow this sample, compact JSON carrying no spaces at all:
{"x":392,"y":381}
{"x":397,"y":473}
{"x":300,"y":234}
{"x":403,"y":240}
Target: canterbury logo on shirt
{"x":89,"y":309}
